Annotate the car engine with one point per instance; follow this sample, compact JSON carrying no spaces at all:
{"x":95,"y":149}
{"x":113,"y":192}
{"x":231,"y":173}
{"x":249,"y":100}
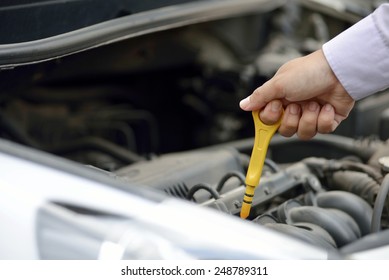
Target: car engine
{"x":161,"y":111}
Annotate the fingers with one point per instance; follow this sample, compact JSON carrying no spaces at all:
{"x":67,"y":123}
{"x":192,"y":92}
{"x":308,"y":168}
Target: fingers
{"x":272,"y":112}
{"x":308,"y":122}
{"x":290,"y":121}
{"x":304,"y":120}
{"x":326,"y":121}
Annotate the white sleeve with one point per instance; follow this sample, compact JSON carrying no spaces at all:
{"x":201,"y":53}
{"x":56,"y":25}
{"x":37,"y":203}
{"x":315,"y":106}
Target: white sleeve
{"x":359,"y":56}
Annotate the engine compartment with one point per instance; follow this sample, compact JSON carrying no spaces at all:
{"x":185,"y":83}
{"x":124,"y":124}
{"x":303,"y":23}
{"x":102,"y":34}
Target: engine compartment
{"x":161,"y":111}
{"x":330,"y":203}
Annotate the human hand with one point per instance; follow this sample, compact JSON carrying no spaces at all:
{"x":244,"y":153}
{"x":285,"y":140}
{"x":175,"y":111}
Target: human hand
{"x":313,"y":98}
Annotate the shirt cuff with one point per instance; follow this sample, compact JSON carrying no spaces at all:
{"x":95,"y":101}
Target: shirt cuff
{"x":359,"y":58}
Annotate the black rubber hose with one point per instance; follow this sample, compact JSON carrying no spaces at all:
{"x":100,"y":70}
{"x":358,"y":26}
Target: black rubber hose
{"x":357,"y":166}
{"x":361,"y":149}
{"x":348,"y":146}
{"x":284,"y":208}
{"x":323,"y":166}
{"x":338,"y":226}
{"x":318,"y":231}
{"x":272,"y":165}
{"x":229,"y":175}
{"x":302,"y":234}
{"x":245,"y":161}
{"x":368,"y":242}
{"x":355,"y":182}
{"x":379,"y":205}
{"x":350,"y":203}
{"x":202,"y":186}
{"x":347,"y":221}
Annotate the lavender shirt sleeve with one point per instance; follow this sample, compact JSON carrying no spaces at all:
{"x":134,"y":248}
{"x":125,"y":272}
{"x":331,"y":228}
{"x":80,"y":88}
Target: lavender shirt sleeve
{"x":359,"y":56}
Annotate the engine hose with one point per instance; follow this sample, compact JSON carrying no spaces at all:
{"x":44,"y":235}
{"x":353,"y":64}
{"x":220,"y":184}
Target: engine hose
{"x":303,"y":234}
{"x":245,"y":161}
{"x":284,"y":208}
{"x":368,"y":242}
{"x":202,"y":186}
{"x":322,"y":166}
{"x":347,"y":221}
{"x":229,"y":175}
{"x":338,"y":224}
{"x":357,"y":166}
{"x":272,"y":165}
{"x":355,"y":182}
{"x":363,"y":149}
{"x":349,"y":203}
{"x":318,"y":231}
{"x":379,"y":205}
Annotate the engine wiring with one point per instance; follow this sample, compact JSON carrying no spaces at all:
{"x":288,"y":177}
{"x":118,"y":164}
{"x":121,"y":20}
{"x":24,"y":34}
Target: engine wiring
{"x":202,"y":186}
{"x":229,"y":175}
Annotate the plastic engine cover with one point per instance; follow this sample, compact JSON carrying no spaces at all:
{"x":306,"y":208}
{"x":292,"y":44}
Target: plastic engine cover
{"x":177,"y":173}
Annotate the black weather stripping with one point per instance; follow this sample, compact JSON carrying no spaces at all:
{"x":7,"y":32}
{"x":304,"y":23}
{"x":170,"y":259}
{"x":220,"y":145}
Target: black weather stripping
{"x":126,"y":27}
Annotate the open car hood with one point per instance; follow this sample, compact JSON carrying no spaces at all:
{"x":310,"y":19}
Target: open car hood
{"x":121,"y":135}
{"x":146,"y":18}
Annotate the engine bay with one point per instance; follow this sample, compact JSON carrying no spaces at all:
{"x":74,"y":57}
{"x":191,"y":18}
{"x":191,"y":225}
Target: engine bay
{"x":161,"y":111}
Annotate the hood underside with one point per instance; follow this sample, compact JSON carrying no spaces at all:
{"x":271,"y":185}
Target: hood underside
{"x":146,"y":19}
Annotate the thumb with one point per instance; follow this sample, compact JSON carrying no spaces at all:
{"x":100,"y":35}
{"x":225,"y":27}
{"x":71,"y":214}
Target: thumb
{"x":262,"y":96}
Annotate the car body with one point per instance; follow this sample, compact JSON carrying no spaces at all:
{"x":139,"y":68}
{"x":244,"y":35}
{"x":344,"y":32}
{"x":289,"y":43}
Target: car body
{"x":119,"y":123}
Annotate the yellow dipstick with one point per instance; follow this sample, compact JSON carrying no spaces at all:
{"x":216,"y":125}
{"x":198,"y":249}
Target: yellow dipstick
{"x":263,"y":135}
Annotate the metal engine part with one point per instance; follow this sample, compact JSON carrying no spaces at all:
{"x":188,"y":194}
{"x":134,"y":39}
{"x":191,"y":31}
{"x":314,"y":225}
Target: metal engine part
{"x":324,"y":202}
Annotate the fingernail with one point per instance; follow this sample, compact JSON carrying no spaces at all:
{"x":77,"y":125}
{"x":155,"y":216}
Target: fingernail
{"x":245,"y":103}
{"x":328,"y":107}
{"x":313,"y":106}
{"x":294,"y":109}
{"x":275,"y":106}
